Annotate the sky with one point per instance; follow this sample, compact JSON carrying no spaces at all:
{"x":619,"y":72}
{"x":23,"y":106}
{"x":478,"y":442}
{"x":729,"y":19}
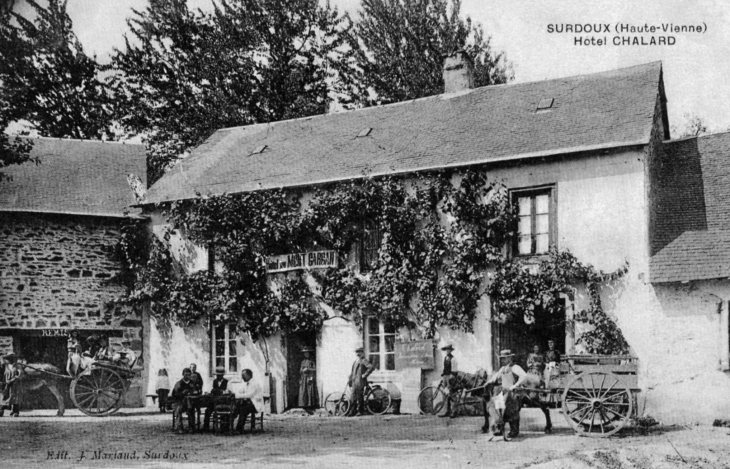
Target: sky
{"x":696,"y":65}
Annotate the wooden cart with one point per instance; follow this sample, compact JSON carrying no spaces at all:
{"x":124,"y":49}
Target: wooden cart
{"x":101,"y":389}
{"x":598,"y":392}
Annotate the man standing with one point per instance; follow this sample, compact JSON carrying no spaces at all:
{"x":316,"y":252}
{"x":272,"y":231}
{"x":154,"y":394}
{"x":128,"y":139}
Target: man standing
{"x":195,"y":377}
{"x":361,"y":369}
{"x":180,"y":392}
{"x":220,"y":387}
{"x":447,"y":375}
{"x":12,"y":395}
{"x":253,"y":400}
{"x":507,"y":408}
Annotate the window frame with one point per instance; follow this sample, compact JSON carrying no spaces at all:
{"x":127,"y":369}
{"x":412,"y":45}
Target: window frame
{"x":372,"y":251}
{"x":382,"y":353}
{"x":227,"y":355}
{"x":533,"y":192}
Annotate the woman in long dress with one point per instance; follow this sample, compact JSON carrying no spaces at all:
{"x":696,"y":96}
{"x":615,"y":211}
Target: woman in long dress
{"x":308,"y":381}
{"x":12,"y":395}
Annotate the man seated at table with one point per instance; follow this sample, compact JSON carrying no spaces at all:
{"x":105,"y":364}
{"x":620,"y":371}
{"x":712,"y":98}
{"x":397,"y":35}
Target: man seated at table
{"x":182,"y":390}
{"x":220,"y":387}
{"x":253,"y":400}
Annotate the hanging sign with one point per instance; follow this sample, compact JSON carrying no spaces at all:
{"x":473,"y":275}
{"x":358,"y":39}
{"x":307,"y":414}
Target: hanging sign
{"x":304,"y":260}
{"x":416,"y":354}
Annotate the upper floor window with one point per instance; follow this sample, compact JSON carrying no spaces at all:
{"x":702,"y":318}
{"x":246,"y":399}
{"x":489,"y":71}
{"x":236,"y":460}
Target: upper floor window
{"x":369,"y":244}
{"x":224,"y":350}
{"x":535,"y":221}
{"x":380,"y":348}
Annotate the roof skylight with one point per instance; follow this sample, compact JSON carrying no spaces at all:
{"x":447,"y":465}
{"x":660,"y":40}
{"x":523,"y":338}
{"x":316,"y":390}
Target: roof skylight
{"x":544,"y":104}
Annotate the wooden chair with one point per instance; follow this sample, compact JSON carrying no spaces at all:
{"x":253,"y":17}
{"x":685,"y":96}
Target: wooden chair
{"x":224,"y":413}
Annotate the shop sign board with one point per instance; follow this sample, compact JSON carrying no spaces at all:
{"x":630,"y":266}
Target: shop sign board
{"x":415,"y":354}
{"x":299,"y":261}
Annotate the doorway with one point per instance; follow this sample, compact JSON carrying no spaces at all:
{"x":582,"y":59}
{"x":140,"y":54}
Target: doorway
{"x":295,"y":342}
{"x":520,"y":337}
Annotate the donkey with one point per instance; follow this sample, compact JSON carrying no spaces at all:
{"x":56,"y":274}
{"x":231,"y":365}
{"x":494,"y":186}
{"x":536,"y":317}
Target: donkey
{"x":504,"y":406}
{"x":37,"y":375}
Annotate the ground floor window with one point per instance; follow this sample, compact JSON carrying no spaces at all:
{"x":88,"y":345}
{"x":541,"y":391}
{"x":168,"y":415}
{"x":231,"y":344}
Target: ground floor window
{"x":224,"y":350}
{"x":380,"y":344}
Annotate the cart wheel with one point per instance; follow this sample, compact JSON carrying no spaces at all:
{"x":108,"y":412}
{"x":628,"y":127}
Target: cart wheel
{"x":336,"y":404}
{"x":431,"y":400}
{"x":597,"y":404}
{"x":99,"y":392}
{"x":377,"y":400}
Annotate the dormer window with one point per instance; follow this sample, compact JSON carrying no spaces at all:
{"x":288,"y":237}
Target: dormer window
{"x":544,"y":104}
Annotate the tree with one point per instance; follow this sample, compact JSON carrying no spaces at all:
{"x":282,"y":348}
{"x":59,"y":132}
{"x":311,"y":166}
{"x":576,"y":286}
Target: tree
{"x":396,"y":51}
{"x":47,"y":81}
{"x":694,"y":126}
{"x":188,"y":73}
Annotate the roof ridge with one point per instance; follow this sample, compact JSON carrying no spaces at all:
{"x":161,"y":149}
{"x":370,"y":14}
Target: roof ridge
{"x":442,"y":95}
{"x":82,"y":140}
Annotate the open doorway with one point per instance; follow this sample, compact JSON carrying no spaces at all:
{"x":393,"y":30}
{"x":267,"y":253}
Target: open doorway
{"x":296,"y":343}
{"x":520,"y":337}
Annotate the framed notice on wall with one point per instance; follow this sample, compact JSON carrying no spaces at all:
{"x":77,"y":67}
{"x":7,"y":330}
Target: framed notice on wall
{"x":416,"y":354}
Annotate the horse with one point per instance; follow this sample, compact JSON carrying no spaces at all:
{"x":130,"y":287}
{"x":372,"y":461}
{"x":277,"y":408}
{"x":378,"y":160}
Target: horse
{"x":37,"y":375}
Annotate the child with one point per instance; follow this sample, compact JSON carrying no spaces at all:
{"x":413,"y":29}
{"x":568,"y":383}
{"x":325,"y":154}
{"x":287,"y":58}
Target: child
{"x":163,"y":388}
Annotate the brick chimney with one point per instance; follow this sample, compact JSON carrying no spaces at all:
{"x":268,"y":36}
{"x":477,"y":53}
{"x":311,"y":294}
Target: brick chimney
{"x":458,"y":72}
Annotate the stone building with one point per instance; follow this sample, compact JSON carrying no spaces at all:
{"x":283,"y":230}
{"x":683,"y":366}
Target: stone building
{"x":59,"y":221}
{"x":590,"y":159}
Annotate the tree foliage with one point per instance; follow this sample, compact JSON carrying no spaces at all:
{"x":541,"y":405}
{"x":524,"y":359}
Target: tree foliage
{"x":185,"y":74}
{"x":47,"y":81}
{"x":396,"y":50}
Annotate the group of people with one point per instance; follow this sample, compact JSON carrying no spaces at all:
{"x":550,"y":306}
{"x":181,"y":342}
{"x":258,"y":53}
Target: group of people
{"x":81,"y":354}
{"x":505,"y":405}
{"x":249,"y":398}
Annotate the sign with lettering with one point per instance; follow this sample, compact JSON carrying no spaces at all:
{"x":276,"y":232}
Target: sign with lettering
{"x":304,"y":260}
{"x":416,"y":354}
{"x":54,"y":332}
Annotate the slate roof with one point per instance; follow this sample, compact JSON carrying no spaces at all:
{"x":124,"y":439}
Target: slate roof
{"x":701,"y":181}
{"x":74,"y":177}
{"x":494,"y":123}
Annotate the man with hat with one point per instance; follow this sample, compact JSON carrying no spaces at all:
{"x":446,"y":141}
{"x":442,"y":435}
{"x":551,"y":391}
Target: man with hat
{"x":220,"y":387}
{"x":510,"y":375}
{"x":12,"y":394}
{"x":308,"y":381}
{"x":448,"y":374}
{"x":361,"y":369}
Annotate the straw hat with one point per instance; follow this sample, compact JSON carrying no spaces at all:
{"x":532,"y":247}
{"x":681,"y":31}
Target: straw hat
{"x":307,"y":349}
{"x":219,"y":370}
{"x":447,"y":347}
{"x":506,"y":353}
{"x":359,"y":349}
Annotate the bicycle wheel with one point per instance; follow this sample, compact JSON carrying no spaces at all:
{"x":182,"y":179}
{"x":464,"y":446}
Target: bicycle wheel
{"x":336,"y":404}
{"x":431,"y":400}
{"x":377,"y":400}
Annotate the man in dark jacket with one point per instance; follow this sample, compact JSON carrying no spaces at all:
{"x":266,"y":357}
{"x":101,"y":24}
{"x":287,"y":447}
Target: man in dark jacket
{"x":183,"y":388}
{"x":220,"y":387}
{"x":361,"y":369}
{"x":195,"y":377}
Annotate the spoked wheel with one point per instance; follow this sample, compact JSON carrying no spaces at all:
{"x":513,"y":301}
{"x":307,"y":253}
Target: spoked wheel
{"x":431,"y":400}
{"x":100,"y":392}
{"x":597,"y":404}
{"x":377,"y":400}
{"x":336,"y":404}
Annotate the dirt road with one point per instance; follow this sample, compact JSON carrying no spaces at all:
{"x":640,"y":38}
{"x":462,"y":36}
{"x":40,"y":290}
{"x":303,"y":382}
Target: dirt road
{"x":145,"y":440}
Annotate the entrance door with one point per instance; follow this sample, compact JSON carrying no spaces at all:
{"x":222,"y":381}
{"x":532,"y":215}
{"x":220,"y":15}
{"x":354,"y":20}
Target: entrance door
{"x":520,"y":337}
{"x":294,"y":345}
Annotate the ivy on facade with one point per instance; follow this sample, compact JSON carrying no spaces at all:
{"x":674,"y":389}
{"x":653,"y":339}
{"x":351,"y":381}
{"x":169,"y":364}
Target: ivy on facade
{"x":439,"y":234}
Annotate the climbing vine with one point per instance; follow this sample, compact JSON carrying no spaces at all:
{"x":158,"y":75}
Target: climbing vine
{"x":439,"y":235}
{"x":521,"y":292}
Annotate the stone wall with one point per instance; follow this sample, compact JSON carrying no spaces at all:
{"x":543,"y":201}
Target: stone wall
{"x":55,"y":272}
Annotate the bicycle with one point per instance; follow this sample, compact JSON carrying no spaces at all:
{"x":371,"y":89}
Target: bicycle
{"x":431,"y":399}
{"x":377,"y":401}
